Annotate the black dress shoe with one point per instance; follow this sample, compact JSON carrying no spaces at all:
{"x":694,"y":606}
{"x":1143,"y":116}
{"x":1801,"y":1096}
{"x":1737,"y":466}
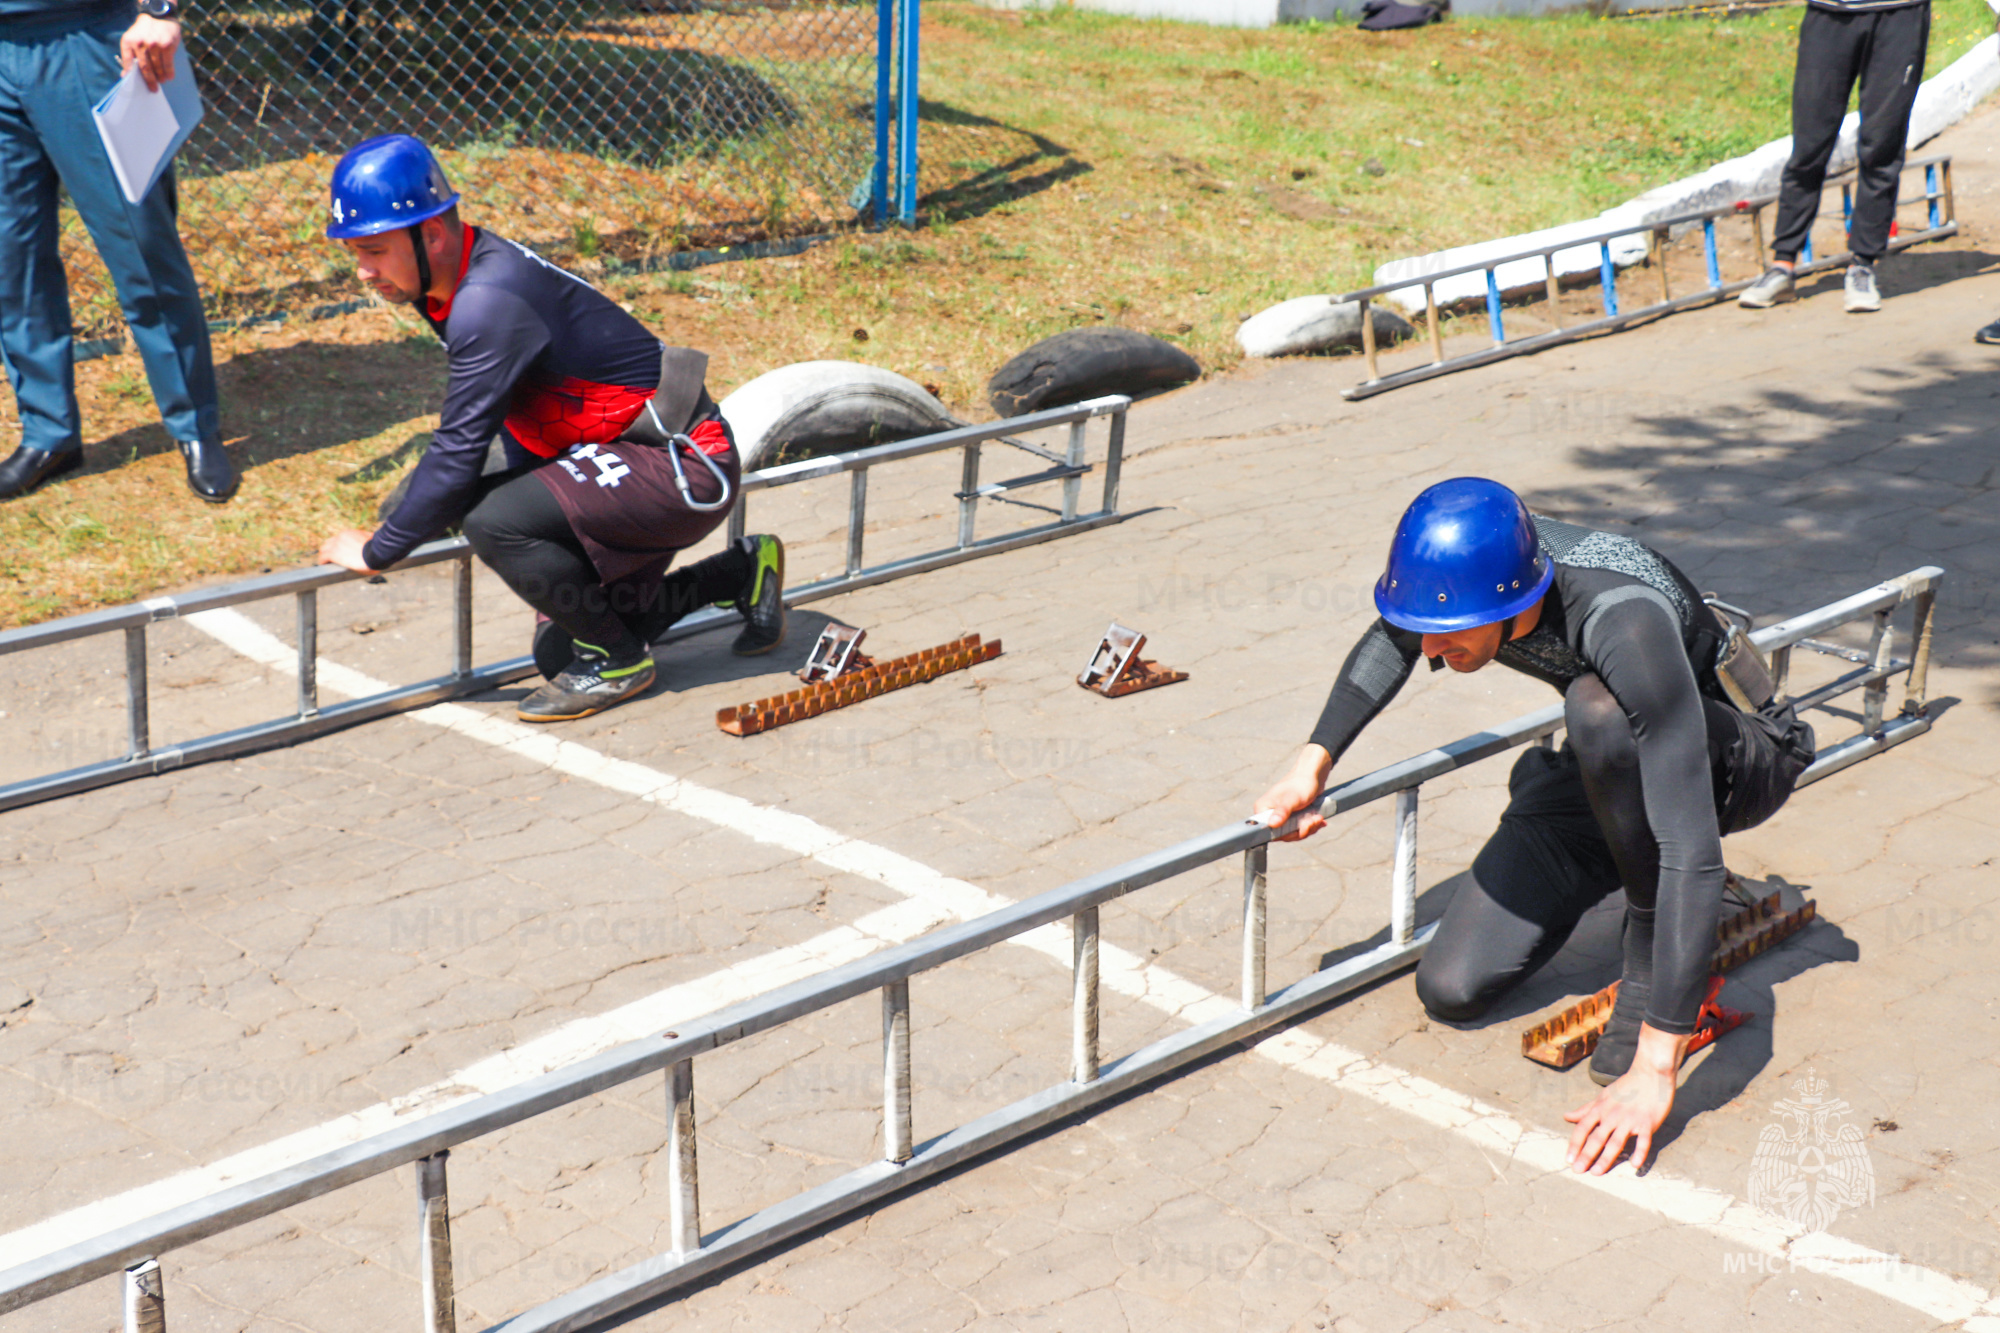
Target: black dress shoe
{"x":29,"y":468}
{"x":210,"y":473}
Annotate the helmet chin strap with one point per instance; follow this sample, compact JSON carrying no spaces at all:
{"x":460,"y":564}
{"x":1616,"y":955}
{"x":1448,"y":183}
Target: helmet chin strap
{"x":423,"y":264}
{"x":1507,"y":629}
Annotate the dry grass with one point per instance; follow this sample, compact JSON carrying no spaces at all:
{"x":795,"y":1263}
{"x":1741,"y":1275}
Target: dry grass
{"x":1171,"y":178}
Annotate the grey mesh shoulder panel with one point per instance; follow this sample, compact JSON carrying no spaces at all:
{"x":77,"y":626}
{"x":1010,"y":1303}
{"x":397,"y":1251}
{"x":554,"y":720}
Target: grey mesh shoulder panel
{"x":1586,"y":548}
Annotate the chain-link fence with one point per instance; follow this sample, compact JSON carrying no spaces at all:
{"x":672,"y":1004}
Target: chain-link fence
{"x":597,"y":131}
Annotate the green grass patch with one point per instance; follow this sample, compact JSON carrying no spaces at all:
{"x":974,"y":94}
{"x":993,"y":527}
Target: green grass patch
{"x":1083,"y":169}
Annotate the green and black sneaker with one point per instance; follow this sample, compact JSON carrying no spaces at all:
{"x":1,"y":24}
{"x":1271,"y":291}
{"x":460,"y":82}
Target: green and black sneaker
{"x":591,"y":683}
{"x":762,"y":601}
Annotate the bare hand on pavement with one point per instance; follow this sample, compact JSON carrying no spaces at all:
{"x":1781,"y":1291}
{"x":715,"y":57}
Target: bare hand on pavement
{"x":1632,"y":1109}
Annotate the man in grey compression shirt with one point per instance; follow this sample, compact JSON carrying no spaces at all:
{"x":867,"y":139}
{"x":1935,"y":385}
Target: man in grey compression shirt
{"x":1658,"y":764}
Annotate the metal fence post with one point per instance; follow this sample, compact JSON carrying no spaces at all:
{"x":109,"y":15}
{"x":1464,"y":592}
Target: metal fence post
{"x":1255,"y":915}
{"x":138,"y":726}
{"x":1114,"y":459}
{"x":1607,"y":277}
{"x":145,"y":1299}
{"x":683,"y":1184}
{"x":1083,"y":1063}
{"x":461,"y":616}
{"x":1072,"y":486}
{"x":1781,"y":669}
{"x":739,"y":520}
{"x":1554,"y":287}
{"x":857,"y":517}
{"x":434,"y":1240}
{"x":1708,"y":253}
{"x":1431,"y":317}
{"x":898,"y":1142}
{"x":1403,"y":890}
{"x":885,"y":60}
{"x":308,"y":609}
{"x":906,"y":133}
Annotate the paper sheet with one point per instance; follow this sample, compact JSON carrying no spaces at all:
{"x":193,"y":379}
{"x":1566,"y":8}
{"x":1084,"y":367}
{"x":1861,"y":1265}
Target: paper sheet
{"x":142,"y":130}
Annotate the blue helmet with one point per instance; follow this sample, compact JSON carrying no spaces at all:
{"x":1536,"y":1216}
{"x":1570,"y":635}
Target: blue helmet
{"x":385,"y":184}
{"x":1465,"y":554}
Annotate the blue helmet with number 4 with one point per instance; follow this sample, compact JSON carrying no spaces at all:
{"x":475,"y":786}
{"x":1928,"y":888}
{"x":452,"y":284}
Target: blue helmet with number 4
{"x":384,"y":184}
{"x":1465,"y":554}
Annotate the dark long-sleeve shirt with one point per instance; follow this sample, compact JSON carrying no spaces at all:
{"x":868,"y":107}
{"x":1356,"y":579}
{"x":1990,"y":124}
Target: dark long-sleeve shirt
{"x":535,"y":353}
{"x":1618,"y":609}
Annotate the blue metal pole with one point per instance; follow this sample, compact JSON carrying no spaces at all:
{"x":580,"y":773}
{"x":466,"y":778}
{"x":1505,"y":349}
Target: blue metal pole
{"x":1607,"y":274}
{"x":906,"y":132}
{"x":1805,"y":251}
{"x":1493,"y":308}
{"x":1708,"y":248}
{"x":1931,"y":189}
{"x":885,"y":58}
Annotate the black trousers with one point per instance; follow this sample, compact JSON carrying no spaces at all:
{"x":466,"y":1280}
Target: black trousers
{"x":1884,"y":49}
{"x":1575,"y":831}
{"x":517,"y":527}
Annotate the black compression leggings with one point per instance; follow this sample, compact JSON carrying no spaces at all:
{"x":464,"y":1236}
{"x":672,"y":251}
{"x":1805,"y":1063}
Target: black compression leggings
{"x":1575,"y":829}
{"x":517,"y":527}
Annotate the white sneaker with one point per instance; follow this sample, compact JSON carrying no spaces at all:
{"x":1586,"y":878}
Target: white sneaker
{"x":1767,"y":291}
{"x":1862,"y":293}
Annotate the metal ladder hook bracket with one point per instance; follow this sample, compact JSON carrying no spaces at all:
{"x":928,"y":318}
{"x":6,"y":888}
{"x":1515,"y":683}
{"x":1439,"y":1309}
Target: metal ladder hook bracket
{"x":834,"y":654}
{"x":1117,"y":669}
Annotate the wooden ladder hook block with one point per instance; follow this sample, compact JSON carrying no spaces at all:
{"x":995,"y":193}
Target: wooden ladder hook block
{"x":1570,"y":1035}
{"x":1116,"y":668}
{"x":858,"y":683}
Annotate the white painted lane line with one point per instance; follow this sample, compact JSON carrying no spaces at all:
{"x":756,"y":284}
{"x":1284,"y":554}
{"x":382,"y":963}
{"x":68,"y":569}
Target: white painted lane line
{"x":1936,"y":1295}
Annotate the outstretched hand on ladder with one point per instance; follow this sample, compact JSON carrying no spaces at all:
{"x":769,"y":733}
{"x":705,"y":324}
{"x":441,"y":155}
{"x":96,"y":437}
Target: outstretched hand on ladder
{"x":1300,"y":789}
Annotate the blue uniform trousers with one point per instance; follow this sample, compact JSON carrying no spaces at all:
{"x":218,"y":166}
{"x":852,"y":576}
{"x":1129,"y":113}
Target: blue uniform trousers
{"x":48,"y":84}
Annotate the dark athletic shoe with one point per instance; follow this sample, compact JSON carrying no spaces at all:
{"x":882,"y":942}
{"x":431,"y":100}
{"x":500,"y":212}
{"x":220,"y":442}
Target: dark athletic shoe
{"x":762,"y":601}
{"x":1990,"y":335}
{"x":590,"y":684}
{"x":1619,"y":1045}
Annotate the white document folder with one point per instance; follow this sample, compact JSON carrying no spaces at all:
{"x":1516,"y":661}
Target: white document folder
{"x":143,"y":130}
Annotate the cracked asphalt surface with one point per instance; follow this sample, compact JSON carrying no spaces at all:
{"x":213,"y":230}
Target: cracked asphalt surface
{"x":206,"y":961}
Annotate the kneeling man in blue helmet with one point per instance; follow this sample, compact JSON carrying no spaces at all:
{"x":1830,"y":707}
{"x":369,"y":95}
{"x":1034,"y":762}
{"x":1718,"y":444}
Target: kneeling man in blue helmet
{"x":578,"y":454}
{"x":1665,"y":751}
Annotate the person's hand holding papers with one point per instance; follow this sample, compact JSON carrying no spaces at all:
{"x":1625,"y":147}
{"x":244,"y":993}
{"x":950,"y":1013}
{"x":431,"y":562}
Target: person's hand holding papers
{"x":149,"y":45}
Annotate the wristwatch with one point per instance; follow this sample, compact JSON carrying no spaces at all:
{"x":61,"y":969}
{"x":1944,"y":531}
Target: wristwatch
{"x":161,"y":9}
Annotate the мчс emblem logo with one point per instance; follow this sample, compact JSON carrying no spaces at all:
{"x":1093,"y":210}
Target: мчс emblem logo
{"x":1810,"y":1165}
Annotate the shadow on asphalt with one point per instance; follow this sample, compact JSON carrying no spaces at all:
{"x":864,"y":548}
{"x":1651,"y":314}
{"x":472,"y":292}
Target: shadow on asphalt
{"x":1866,"y":490}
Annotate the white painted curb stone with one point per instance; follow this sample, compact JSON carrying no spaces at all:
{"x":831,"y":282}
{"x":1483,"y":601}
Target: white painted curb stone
{"x":1941,"y":102}
{"x":1315,"y":324}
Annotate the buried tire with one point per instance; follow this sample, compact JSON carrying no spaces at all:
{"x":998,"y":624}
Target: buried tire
{"x":1088,"y":363}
